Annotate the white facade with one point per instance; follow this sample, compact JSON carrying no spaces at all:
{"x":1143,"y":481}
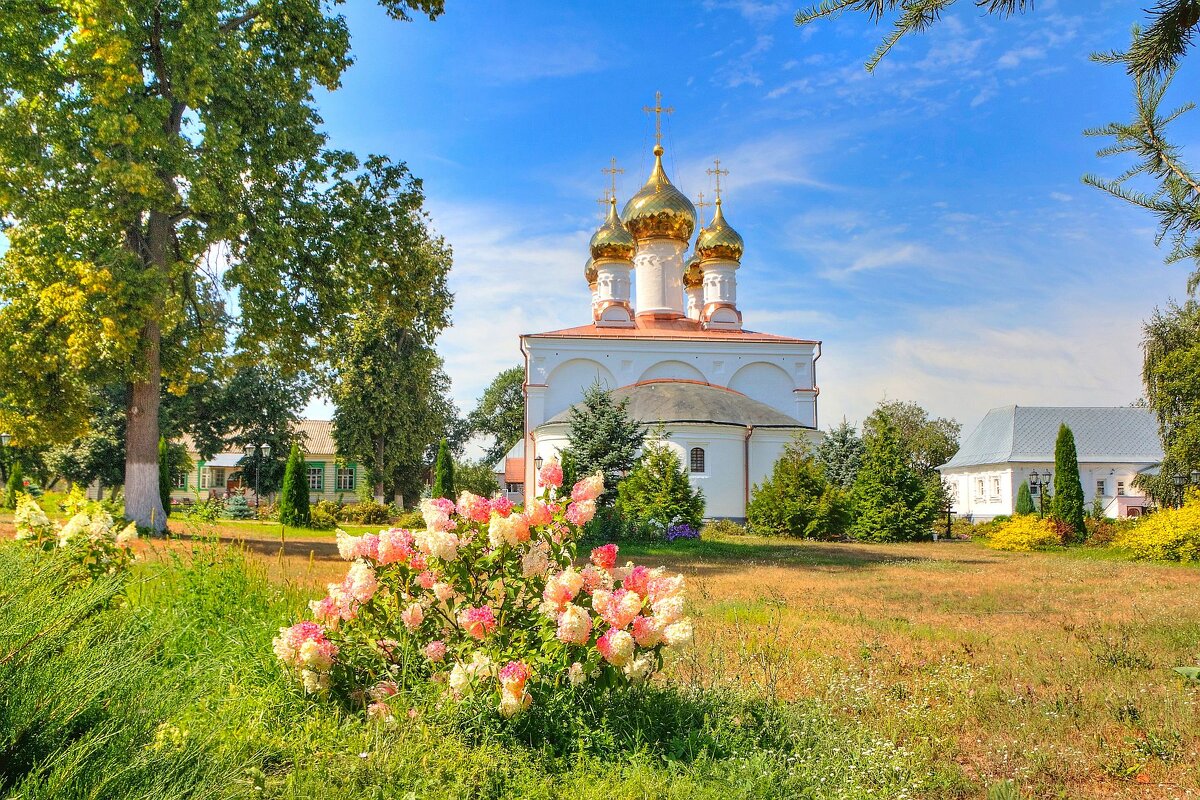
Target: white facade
{"x":990,"y":490}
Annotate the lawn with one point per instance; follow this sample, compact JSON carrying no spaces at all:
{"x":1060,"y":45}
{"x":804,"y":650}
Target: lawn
{"x":949,"y":664}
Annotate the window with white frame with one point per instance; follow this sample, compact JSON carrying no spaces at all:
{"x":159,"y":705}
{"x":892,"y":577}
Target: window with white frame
{"x":1120,"y":488}
{"x":316,"y":478}
{"x":979,"y":488}
{"x":513,"y":488}
{"x":212,"y":478}
{"x":696,"y":459}
{"x":995,"y":486}
{"x":179,"y":480}
{"x":1101,"y":489}
{"x":345,"y":479}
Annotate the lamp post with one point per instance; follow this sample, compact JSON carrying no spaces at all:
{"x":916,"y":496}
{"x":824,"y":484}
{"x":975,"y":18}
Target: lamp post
{"x":537,"y":463}
{"x":948,"y":507}
{"x":258,"y":453}
{"x":4,"y":439}
{"x":1180,"y":480}
{"x":1041,"y":483}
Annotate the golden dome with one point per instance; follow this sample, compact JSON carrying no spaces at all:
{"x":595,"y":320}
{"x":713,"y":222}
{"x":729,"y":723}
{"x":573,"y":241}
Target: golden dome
{"x":692,"y":276}
{"x":589,"y":271}
{"x":613,"y":240}
{"x":659,"y":209}
{"x":719,"y":240}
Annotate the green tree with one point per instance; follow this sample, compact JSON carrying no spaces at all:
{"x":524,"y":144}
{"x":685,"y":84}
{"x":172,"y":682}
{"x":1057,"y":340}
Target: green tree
{"x":658,"y":490}
{"x":927,"y":443}
{"x":891,"y":501}
{"x":293,"y":500}
{"x":1024,"y":500}
{"x":15,"y":485}
{"x":500,"y":413}
{"x":1171,"y":374}
{"x":798,"y":499}
{"x":165,"y":478}
{"x":392,"y":402}
{"x":840,"y":453}
{"x":602,"y":437}
{"x":1067,"y":505}
{"x":443,"y":473}
{"x":1154,"y":55}
{"x":475,"y":477}
{"x":141,"y":140}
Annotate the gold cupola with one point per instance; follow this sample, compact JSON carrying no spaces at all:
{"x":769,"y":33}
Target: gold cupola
{"x":589,"y":272}
{"x":659,"y":209}
{"x":719,"y":240}
{"x":692,"y":275}
{"x":612,"y":240}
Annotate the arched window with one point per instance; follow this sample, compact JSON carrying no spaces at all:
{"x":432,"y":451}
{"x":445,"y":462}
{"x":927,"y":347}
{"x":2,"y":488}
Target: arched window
{"x":697,"y":459}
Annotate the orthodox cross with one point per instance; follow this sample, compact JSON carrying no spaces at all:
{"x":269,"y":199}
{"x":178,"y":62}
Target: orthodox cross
{"x":613,"y":172}
{"x":605,"y":201}
{"x":718,"y":172}
{"x":700,"y":204}
{"x":658,"y":111}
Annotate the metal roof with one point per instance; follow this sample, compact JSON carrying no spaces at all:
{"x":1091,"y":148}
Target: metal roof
{"x":1028,"y":433}
{"x":693,"y":401}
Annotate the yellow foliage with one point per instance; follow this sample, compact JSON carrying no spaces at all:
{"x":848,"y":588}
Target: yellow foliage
{"x":1023,"y":533}
{"x":1171,"y":534}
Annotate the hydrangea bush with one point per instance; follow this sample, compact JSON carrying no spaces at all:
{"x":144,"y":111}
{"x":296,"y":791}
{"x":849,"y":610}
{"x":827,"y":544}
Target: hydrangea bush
{"x":487,"y":603}
{"x":91,"y":537}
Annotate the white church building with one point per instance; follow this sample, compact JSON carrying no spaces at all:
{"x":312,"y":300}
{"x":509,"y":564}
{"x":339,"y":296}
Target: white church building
{"x":665,"y":332}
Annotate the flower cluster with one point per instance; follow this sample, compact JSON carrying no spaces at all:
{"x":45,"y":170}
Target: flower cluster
{"x":487,"y":601}
{"x":91,"y":537}
{"x":681,"y":530}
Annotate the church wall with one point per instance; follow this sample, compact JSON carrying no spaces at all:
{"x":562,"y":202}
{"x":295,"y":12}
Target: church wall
{"x":672,"y":369}
{"x":569,"y":380}
{"x":767,"y":383}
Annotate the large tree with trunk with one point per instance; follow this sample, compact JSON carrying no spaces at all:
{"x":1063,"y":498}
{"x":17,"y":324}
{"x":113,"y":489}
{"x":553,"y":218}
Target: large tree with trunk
{"x":161,"y":162}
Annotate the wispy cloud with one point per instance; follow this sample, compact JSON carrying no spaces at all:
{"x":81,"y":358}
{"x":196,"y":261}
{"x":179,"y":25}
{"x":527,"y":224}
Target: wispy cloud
{"x":562,"y":56}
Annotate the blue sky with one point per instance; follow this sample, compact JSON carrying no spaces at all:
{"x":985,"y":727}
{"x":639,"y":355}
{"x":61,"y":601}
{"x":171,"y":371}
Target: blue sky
{"x":926,"y":222}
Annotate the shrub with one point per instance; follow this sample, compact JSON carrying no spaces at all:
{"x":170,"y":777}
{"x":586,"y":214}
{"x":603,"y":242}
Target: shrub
{"x":365,"y":513}
{"x":796,"y":500}
{"x":293,"y":500}
{"x":91,"y":538}
{"x":208,"y":510}
{"x":237,"y":507}
{"x":1023,"y":534}
{"x":443,"y":472}
{"x":486,"y":606}
{"x":658,"y":490}
{"x":1170,"y":534}
{"x":319,"y":519}
{"x":1024,"y":500}
{"x":1067,"y":503}
{"x":475,"y":477}
{"x":891,"y":501}
{"x":412,"y":520}
{"x":15,"y":486}
{"x":721,"y":527}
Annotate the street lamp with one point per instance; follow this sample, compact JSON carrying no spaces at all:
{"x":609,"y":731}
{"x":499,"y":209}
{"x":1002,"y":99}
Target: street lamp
{"x":537,"y":462}
{"x":264,"y":451}
{"x":1179,"y":479}
{"x":4,"y":439}
{"x":949,"y":507}
{"x":1041,"y":483}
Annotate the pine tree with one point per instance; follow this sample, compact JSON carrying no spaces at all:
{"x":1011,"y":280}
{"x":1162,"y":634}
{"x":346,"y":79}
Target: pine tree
{"x":443,"y":473}
{"x":892,"y":502}
{"x":798,"y":500}
{"x":1067,"y":505}
{"x":293,"y":500}
{"x":15,"y":486}
{"x":841,"y":453}
{"x":1024,"y":500}
{"x":658,"y":490}
{"x":602,"y":437}
{"x":164,"y":473}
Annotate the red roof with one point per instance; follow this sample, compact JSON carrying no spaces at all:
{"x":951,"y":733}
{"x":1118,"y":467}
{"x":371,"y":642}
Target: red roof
{"x":514,"y":470}
{"x":650,"y":328}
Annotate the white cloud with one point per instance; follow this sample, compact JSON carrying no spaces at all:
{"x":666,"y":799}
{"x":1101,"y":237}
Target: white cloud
{"x":1014,"y":57}
{"x":1061,"y":197}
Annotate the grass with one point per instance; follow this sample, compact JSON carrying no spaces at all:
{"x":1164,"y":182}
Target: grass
{"x":820,"y":670}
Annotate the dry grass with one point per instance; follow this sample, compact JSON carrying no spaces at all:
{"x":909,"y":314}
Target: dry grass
{"x":1050,"y":669}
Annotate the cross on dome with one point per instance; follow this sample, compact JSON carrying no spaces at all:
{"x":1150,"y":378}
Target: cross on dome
{"x":658,"y":111}
{"x":701,"y":205}
{"x":718,"y":172}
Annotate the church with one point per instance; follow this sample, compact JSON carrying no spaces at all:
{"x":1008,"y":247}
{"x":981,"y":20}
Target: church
{"x":665,"y":331}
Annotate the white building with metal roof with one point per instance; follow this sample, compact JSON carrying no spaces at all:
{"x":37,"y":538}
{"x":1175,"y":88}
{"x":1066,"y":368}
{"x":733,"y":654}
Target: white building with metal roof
{"x":1011,"y":443}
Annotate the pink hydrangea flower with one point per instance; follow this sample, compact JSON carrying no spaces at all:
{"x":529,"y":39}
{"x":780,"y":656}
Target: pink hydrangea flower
{"x":668,"y":610}
{"x":589,"y":488}
{"x":443,"y":591}
{"x":646,"y":631}
{"x":395,"y":546}
{"x":436,"y":650}
{"x":513,"y":676}
{"x":538,"y":514}
{"x":380,"y":712}
{"x":418,"y":562}
{"x":581,"y":512}
{"x":436,"y":512}
{"x":660,"y":587}
{"x":474,"y":507}
{"x":594,"y":579}
{"x":617,"y":608}
{"x":562,"y":588}
{"x":305,"y":646}
{"x":477,"y":622}
{"x":605,"y":557}
{"x":678,"y":633}
{"x":638,"y":581}
{"x":324,"y":609}
{"x":511,"y":530}
{"x":413,"y":616}
{"x":551,"y":474}
{"x":574,"y":625}
{"x":502,"y":506}
{"x":616,"y":647}
{"x":426,"y":579}
{"x":361,"y":582}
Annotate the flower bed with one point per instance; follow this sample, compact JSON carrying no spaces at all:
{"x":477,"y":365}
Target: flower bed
{"x":486,"y":602}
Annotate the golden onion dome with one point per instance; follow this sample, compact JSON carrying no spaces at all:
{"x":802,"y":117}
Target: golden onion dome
{"x":613,"y":240}
{"x":589,"y":271}
{"x":719,"y":240}
{"x":658,"y":208}
{"x":692,"y":276}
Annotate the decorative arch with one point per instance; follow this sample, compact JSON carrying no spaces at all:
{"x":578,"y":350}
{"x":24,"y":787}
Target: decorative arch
{"x":672,"y":370}
{"x":567,"y":382}
{"x":766,"y":383}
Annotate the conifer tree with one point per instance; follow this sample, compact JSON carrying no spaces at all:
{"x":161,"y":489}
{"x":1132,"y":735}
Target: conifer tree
{"x":16,"y":485}
{"x":798,"y":500}
{"x":1067,"y":505}
{"x":443,"y":472}
{"x":840,"y":453}
{"x":603,"y":437}
{"x":892,"y":502}
{"x":1024,"y":500}
{"x":658,"y":490}
{"x":293,"y":500}
{"x":164,"y":473}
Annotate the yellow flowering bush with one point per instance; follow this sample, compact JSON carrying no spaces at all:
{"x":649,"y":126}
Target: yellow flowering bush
{"x":1024,"y":533}
{"x":1171,"y":534}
